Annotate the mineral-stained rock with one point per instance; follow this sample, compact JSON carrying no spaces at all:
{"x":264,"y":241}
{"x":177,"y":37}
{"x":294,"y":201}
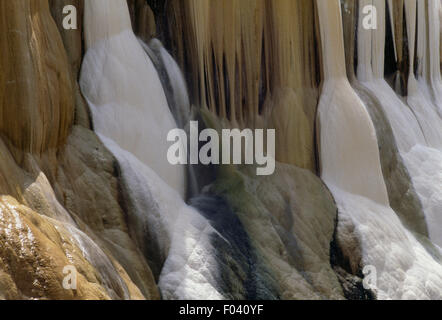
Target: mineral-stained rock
{"x":73,"y":43}
{"x":253,"y":63}
{"x":87,"y":183}
{"x":72,"y":39}
{"x":36,"y":91}
{"x":33,"y":254}
{"x":401,"y":192}
{"x":290,"y":219}
{"x":143,"y":19}
{"x":62,"y":185}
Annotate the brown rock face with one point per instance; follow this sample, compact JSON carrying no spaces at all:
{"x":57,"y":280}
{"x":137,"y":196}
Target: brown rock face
{"x":32,"y":258}
{"x":63,"y":203}
{"x":36,"y":91}
{"x":72,"y":40}
{"x":143,"y":19}
{"x":254,"y":64}
{"x":73,"y":43}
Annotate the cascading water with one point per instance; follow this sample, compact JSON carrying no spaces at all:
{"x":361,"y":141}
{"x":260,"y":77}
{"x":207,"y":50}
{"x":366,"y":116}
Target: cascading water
{"x":131,"y":116}
{"x":172,"y":79}
{"x":404,"y":267}
{"x":423,"y":108}
{"x":174,"y":236}
{"x":348,"y":145}
{"x":429,"y":73}
{"x":177,"y":97}
{"x":107,"y":273}
{"x":371,"y":75}
{"x":123,"y":89}
{"x":352,"y":90}
{"x":416,"y":127}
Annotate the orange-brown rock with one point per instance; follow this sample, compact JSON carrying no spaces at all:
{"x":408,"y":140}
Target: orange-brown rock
{"x":59,"y":186}
{"x":36,"y":91}
{"x":143,"y":19}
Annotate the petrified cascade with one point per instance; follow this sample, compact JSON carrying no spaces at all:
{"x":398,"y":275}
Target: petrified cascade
{"x":84,"y":176}
{"x":368,"y":210}
{"x":123,"y":90}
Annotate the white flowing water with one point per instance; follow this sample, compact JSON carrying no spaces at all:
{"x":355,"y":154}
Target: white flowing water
{"x":124,"y":91}
{"x":178,"y":84}
{"x":428,"y":53}
{"x":348,"y":144}
{"x":418,"y":131}
{"x":421,"y":104}
{"x":182,"y":235}
{"x":106,"y":271}
{"x":177,"y":97}
{"x":351,"y":168}
{"x":132,"y":118}
{"x":371,"y":75}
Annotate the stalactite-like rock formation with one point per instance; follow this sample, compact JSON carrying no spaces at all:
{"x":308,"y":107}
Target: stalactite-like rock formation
{"x":73,"y":43}
{"x":253,"y":63}
{"x":85,"y":182}
{"x":57,"y":176}
{"x":36,"y":90}
{"x":143,"y":19}
{"x":402,"y":196}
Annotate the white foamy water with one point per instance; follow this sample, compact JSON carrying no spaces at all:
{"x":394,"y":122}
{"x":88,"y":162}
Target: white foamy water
{"x":132,"y":118}
{"x":404,"y":267}
{"x":108,"y":275}
{"x":182,"y":234}
{"x":432,"y":75}
{"x":416,"y":127}
{"x":124,"y":91}
{"x":348,"y":143}
{"x":421,"y":103}
{"x":177,"y":82}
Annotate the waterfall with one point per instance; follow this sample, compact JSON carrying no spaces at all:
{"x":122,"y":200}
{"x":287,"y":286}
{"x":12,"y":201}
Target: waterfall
{"x":416,"y":126}
{"x":172,"y":80}
{"x":132,"y":117}
{"x":351,"y":168}
{"x":371,"y":75}
{"x":174,"y":236}
{"x":137,"y":93}
{"x":348,"y":145}
{"x":106,"y":271}
{"x":124,"y":91}
{"x":422,"y":107}
{"x":175,"y":87}
{"x":428,"y":69}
